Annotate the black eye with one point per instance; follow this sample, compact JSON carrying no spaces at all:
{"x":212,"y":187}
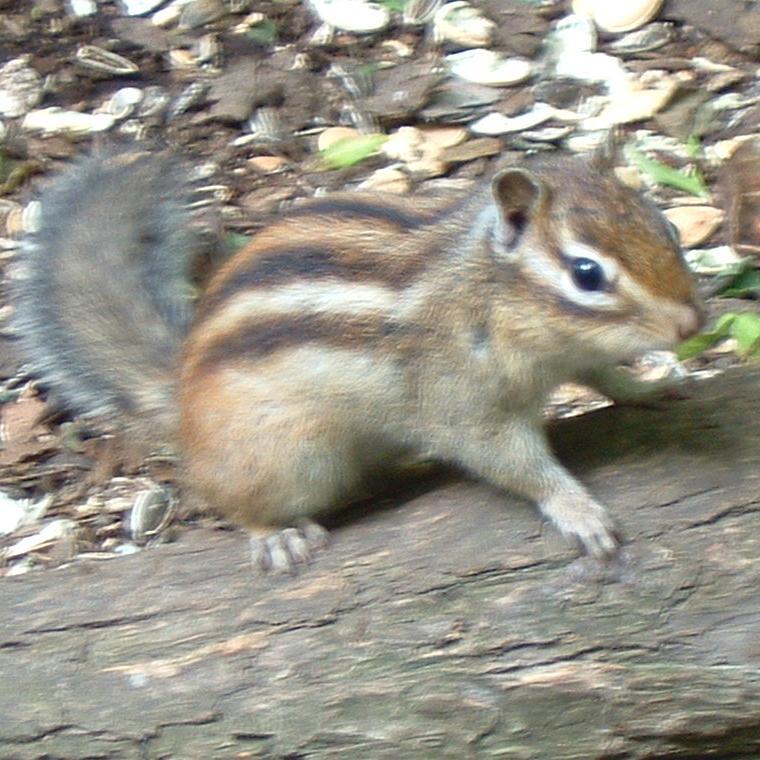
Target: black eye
{"x":587,"y":274}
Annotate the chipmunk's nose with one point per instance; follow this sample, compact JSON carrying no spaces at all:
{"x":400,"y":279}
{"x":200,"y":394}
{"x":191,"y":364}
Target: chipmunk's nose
{"x":691,"y":321}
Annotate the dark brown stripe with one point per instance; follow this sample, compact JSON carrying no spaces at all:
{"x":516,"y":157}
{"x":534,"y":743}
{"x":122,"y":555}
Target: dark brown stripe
{"x":256,"y":340}
{"x":359,"y":209}
{"x":281,"y":265}
{"x":275,"y":266}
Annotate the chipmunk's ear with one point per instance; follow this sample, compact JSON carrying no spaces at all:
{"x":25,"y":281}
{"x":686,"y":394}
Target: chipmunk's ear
{"x":519,"y":196}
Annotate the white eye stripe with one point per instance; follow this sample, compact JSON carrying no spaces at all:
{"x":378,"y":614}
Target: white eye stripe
{"x":554,"y":275}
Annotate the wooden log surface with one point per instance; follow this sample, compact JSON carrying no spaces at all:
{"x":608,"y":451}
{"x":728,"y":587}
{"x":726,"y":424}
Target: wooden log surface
{"x":449,"y":625}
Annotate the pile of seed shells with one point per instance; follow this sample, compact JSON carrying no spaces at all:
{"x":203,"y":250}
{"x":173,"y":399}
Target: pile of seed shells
{"x":260,"y":97}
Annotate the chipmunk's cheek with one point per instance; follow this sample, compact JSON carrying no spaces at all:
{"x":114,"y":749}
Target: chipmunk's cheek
{"x":620,"y":339}
{"x":645,"y":333}
{"x":631,"y":333}
{"x":638,"y":338}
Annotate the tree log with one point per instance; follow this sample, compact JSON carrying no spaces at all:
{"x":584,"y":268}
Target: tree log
{"x":450,"y":624}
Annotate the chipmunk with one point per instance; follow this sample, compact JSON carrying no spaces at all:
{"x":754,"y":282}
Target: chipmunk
{"x":353,"y":332}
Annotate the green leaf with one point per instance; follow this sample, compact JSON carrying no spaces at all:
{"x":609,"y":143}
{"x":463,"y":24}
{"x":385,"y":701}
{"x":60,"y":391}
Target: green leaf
{"x":723,"y":325}
{"x":234,"y":241}
{"x":367,"y":70}
{"x":699,"y":343}
{"x":696,"y":345}
{"x":690,"y":182}
{"x":352,"y":150}
{"x":6,"y":396}
{"x":745,"y":330}
{"x":722,"y":260}
{"x":394,"y":5}
{"x":693,"y":146}
{"x":746,"y":285}
{"x":265,"y":32}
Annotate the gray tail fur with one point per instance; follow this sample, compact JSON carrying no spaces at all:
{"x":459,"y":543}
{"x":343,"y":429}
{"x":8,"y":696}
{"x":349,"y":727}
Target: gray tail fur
{"x":103,"y":301}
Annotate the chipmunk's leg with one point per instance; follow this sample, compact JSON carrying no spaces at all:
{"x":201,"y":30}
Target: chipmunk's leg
{"x":272,"y":468}
{"x":275,"y":448}
{"x":274,"y":486}
{"x":334,"y":469}
{"x":517,"y":457}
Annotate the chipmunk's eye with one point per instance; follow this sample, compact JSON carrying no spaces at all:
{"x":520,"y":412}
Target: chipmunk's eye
{"x":588,"y":274}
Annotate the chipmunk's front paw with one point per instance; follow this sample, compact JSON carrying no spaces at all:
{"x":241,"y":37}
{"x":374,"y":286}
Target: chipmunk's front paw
{"x":627,"y":390}
{"x":655,"y":394}
{"x":283,"y":551}
{"x":578,"y":515}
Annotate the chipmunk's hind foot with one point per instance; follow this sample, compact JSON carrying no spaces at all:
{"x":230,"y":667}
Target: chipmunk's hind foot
{"x":285,"y":551}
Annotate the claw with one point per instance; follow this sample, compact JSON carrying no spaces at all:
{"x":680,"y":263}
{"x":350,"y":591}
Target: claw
{"x":578,"y":515}
{"x":286,"y":550}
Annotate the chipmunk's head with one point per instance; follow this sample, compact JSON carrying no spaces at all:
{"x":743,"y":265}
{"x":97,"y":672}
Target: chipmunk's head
{"x":601,"y":261}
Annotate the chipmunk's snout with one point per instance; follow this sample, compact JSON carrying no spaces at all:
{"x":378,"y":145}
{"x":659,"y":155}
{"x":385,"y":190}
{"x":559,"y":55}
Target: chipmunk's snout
{"x":690,"y":321}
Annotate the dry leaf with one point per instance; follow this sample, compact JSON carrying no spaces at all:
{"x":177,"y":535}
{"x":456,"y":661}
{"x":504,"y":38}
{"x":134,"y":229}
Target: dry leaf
{"x":695,"y":223}
{"x":21,"y":434}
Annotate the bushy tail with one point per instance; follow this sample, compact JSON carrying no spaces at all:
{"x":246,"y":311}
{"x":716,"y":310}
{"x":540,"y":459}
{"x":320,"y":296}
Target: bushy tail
{"x":102,"y":300}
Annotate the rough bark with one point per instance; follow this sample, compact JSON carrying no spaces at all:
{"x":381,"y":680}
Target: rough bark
{"x":448,"y":626}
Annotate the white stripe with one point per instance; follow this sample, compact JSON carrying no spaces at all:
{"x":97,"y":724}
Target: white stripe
{"x":312,"y":298}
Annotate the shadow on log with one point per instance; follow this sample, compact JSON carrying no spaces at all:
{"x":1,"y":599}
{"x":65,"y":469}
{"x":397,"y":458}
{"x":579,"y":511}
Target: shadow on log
{"x":453,"y":626}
